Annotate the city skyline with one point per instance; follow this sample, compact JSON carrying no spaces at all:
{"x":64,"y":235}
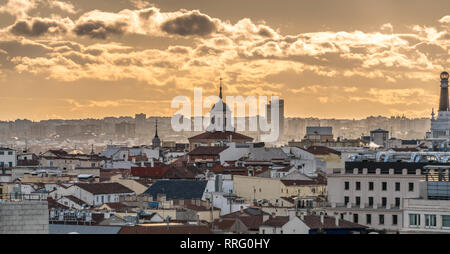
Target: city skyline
{"x":347,"y":60}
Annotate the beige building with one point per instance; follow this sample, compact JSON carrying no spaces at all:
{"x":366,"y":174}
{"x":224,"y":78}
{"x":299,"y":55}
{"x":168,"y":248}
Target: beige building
{"x":272,"y":189}
{"x":134,"y":185}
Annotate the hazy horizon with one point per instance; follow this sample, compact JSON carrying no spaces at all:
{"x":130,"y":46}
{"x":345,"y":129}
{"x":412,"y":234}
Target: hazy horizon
{"x":349,"y":59}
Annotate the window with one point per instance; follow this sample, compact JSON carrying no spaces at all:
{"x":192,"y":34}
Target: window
{"x":342,"y":216}
{"x":394,"y":219}
{"x":446,"y":221}
{"x":355,"y":218}
{"x":414,"y":220}
{"x":370,"y":185}
{"x":397,"y":202}
{"x":430,"y":220}
{"x":347,"y":186}
{"x":397,"y":186}
{"x":370,"y":201}
{"x":383,"y":201}
{"x":384,"y":186}
{"x":368,"y":219}
{"x":411,"y":186}
{"x":346,"y":200}
{"x":381,"y":219}
{"x":358,"y":186}
{"x":358,"y":201}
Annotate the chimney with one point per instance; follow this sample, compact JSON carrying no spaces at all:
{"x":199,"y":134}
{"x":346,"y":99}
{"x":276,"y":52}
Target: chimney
{"x":142,"y":164}
{"x":152,"y":163}
{"x":106,"y":215}
{"x":336,"y":218}
{"x":133,"y":160}
{"x":322,"y":218}
{"x":242,"y":209}
{"x":302,"y":216}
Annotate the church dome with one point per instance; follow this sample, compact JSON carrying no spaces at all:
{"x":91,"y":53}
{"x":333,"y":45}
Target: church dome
{"x":444,"y":75}
{"x":220,"y":106}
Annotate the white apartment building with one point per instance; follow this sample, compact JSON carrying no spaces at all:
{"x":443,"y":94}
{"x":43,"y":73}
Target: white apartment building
{"x":426,"y":216}
{"x":8,"y":158}
{"x":431,"y":212}
{"x":372,"y":193}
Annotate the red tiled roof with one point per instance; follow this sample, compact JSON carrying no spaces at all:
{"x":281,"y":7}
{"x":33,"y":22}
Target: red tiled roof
{"x":208,"y":150}
{"x":313,"y":222}
{"x":156,"y":172}
{"x":224,"y":224}
{"x":321,"y":150}
{"x":222,"y":135}
{"x":277,"y":221}
{"x":75,"y":200}
{"x":182,"y":229}
{"x":104,"y":188}
{"x":252,"y":222}
{"x":117,"y":206}
{"x":53,"y":204}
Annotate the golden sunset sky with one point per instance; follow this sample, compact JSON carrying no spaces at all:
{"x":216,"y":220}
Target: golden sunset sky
{"x":329,"y":59}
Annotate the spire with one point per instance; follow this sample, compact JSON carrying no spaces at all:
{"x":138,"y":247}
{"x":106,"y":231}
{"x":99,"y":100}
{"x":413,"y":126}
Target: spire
{"x":432,"y":114}
{"x":156,"y":132}
{"x":220,"y":94}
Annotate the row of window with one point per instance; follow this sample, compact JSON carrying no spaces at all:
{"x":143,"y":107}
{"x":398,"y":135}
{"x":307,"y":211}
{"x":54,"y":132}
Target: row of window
{"x":430,"y":220}
{"x":370,"y":201}
{"x":3,"y":153}
{"x":380,"y":219}
{"x":371,"y":186}
{"x":10,"y":164}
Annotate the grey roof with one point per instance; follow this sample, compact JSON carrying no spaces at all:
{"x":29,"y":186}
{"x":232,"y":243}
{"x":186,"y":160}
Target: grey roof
{"x":55,"y":229}
{"x":266,"y":154}
{"x":178,"y":189}
{"x":379,"y":131}
{"x":319,"y":130}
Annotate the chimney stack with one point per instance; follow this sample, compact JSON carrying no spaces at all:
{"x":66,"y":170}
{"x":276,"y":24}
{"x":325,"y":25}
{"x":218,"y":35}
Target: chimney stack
{"x":302,"y":216}
{"x":337,"y":220}
{"x":322,"y":218}
{"x":152,"y":163}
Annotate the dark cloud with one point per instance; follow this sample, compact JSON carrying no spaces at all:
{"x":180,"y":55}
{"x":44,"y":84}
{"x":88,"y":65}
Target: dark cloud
{"x":178,"y":50}
{"x":97,"y":29}
{"x":145,"y":14}
{"x":37,"y":27}
{"x":193,"y":23}
{"x":265,"y":32}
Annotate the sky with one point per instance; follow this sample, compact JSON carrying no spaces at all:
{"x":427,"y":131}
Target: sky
{"x":329,"y":59}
